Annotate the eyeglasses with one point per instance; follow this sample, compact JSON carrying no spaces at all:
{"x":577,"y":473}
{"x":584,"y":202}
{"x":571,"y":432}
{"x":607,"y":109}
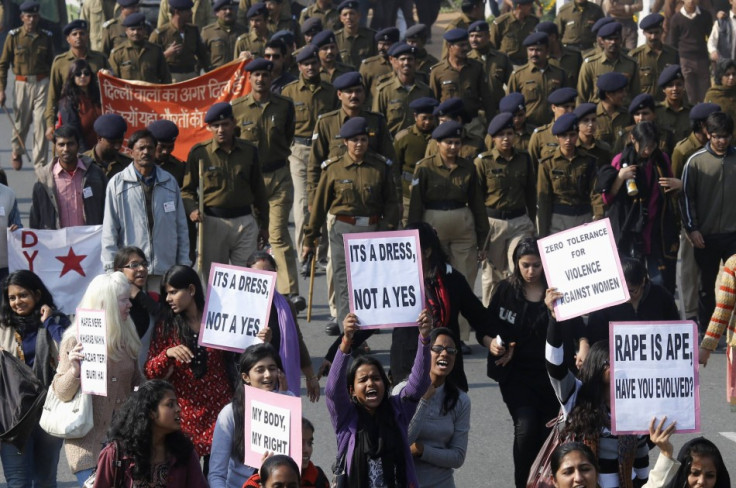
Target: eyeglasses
{"x":83,"y":72}
{"x":438,"y":349}
{"x":136,"y":265}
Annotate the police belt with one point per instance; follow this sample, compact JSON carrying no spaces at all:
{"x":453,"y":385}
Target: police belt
{"x":227,"y":213}
{"x":362,"y":221}
{"x":504,"y":214}
{"x":444,"y":205}
{"x":407,"y":176}
{"x":31,"y":78}
{"x":304,"y":141}
{"x":271,"y":167}
{"x":562,"y":209}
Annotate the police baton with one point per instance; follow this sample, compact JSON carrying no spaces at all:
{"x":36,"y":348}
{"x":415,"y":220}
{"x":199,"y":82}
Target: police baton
{"x":200,"y":226}
{"x":17,"y":133}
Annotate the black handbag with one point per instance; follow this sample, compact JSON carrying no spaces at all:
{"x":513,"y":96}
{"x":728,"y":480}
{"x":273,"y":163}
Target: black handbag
{"x":23,"y":397}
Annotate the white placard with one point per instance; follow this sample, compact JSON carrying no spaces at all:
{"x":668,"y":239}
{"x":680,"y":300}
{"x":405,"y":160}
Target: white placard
{"x":237,"y":307}
{"x":583,"y":264}
{"x":654,"y":373}
{"x":273,"y":423}
{"x":385,"y":280}
{"x":92,"y":333}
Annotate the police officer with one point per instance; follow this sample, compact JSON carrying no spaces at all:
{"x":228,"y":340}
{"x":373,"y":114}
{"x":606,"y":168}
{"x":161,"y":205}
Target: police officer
{"x":416,"y":36}
{"x":471,"y":11}
{"x":312,"y":97}
{"x":543,"y":142}
{"x":598,"y":41}
{"x":182,"y":45}
{"x":30,"y":51}
{"x":233,"y":189}
{"x":470,"y":144}
{"x":325,"y":11}
{"x":568,"y":59}
{"x":654,"y":56}
{"x":641,"y":109}
{"x":497,"y":65}
{"x":396,"y":93}
{"x":587,"y":129}
{"x":375,"y":68}
{"x":357,"y":189}
{"x":220,"y":36}
{"x":611,"y":59}
{"x":508,"y":181}
{"x":110,"y":130}
{"x":267,"y":121}
{"x":510,"y":29}
{"x":575,"y":20}
{"x":611,"y":117}
{"x":202,"y":14}
{"x":96,"y":13}
{"x":330,"y":66}
{"x":537,"y":79}
{"x":565,"y":187}
{"x":136,"y":58}
{"x":114,"y":31}
{"x":513,"y":103}
{"x":354,"y":42}
{"x":77,"y":36}
{"x":254,"y":41}
{"x":410,"y":145}
{"x":672,"y":113}
{"x":311,"y":27}
{"x":459,"y":76}
{"x":445,"y":193}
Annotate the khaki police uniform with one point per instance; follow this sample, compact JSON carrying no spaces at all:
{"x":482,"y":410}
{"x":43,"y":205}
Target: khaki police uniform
{"x":114,"y":34}
{"x":497,"y":66}
{"x":360,"y":197}
{"x":601,"y":151}
{"x":219,"y":40}
{"x":175,"y":167}
{"x":673,"y":120}
{"x":425,"y":61}
{"x":96,"y":13}
{"x":462,"y":21}
{"x":651,"y":63}
{"x":574,"y":21}
{"x":354,"y":49}
{"x":31,"y":55}
{"x":245,"y":5}
{"x":202,"y":13}
{"x":111,"y":168}
{"x":285,"y":23}
{"x":339,"y":69}
{"x":521,"y":139}
{"x":250,"y":42}
{"x":570,"y":62}
{"x":410,"y":145}
{"x":233,"y":189}
{"x":610,"y":126}
{"x":508,"y":34}
{"x":144,"y":62}
{"x":193,"y":56}
{"x":666,"y":140}
{"x":535,"y":85}
{"x":598,"y":64}
{"x":372,"y":70}
{"x":565,"y":192}
{"x":59,"y":73}
{"x":472,"y":146}
{"x":542,"y":144}
{"x":330,"y":17}
{"x":509,"y":187}
{"x":270,"y":127}
{"x":393,"y":99}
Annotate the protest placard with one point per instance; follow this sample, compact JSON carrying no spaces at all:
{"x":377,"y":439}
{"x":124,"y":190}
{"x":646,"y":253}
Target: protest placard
{"x":273,"y":423}
{"x":654,"y":373}
{"x":385,"y":280}
{"x":583,"y":264}
{"x":237,"y":307}
{"x":92,"y":333}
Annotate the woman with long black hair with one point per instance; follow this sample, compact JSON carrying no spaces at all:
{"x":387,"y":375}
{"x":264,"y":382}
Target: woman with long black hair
{"x":79,"y":103}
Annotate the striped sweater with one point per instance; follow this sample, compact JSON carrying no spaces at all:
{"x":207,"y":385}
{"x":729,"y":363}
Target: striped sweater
{"x":723,"y":317}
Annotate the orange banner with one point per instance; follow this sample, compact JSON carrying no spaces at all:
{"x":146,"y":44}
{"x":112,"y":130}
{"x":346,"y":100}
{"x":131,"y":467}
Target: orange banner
{"x":185,"y":103}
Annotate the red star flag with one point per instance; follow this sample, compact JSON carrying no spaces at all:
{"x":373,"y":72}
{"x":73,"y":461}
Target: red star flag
{"x":66,"y":260}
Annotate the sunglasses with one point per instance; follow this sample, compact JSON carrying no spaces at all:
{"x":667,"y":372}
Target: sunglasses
{"x":438,"y":349}
{"x":83,"y":72}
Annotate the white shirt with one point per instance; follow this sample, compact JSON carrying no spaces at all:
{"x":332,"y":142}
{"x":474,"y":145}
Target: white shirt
{"x":713,"y":39}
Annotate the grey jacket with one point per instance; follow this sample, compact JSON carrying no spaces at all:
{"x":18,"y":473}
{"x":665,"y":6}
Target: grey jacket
{"x":126,"y":223}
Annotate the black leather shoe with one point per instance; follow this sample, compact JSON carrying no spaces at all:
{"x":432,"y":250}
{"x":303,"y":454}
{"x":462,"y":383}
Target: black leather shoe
{"x":465,"y":349}
{"x":299,"y":302}
{"x":332,"y":328}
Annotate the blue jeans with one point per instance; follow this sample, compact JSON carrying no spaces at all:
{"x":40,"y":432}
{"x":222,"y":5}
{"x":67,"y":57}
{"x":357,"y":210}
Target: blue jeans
{"x":36,"y":466}
{"x":83,"y":475}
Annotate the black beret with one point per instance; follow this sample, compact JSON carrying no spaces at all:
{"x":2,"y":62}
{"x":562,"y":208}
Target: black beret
{"x":223,"y":3}
{"x":285,"y":35}
{"x":74,"y":25}
{"x":257,"y":9}
{"x":651,"y":21}
{"x":611,"y":82}
{"x":30,"y":7}
{"x":565,"y":123}
{"x":355,"y":126}
{"x":218,"y":111}
{"x":259,"y":64}
{"x":548,"y":28}
{"x":504,"y":120}
{"x":512,"y":103}
{"x":669,"y":74}
{"x":600,"y":23}
{"x":536,"y":38}
{"x":423,"y":105}
{"x":452,"y":107}
{"x":389,"y":34}
{"x":351,"y":4}
{"x":401,"y":48}
{"x":479,"y":26}
{"x":128,"y":3}
{"x":136,"y":19}
{"x":307,"y":52}
{"x":163,"y":130}
{"x":323,"y":38}
{"x":451,"y":128}
{"x":110,"y":126}
{"x":584,"y":109}
{"x":701,"y":111}
{"x":348,"y":80}
{"x":641,"y":101}
{"x":455,"y":35}
{"x":181,"y":4}
{"x":416,"y":30}
{"x":312,"y":24}
{"x":562,"y":96}
{"x":610,"y":29}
